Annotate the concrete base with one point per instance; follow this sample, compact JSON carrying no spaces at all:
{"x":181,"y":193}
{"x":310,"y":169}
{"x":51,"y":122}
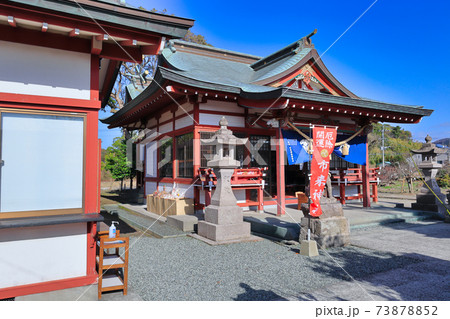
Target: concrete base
{"x":327,"y":232}
{"x":331,"y":229}
{"x":251,"y":238}
{"x":185,"y":223}
{"x":309,"y":248}
{"x":224,"y":232}
{"x":427,"y":199}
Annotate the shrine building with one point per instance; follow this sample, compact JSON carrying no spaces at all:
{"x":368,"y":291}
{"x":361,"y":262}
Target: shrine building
{"x":268,"y":100}
{"x":58,"y":63}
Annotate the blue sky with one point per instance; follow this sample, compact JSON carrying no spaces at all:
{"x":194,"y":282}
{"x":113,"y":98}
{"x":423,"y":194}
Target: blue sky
{"x":398,"y":51}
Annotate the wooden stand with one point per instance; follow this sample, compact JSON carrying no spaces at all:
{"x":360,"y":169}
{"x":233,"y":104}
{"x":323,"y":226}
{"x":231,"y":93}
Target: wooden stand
{"x":112,"y":268}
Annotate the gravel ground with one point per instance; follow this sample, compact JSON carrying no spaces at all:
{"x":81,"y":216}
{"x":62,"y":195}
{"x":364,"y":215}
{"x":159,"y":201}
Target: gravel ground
{"x":187,"y":269}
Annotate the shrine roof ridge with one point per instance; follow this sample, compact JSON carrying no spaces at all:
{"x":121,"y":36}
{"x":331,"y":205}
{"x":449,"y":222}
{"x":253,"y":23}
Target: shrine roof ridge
{"x":210,"y":51}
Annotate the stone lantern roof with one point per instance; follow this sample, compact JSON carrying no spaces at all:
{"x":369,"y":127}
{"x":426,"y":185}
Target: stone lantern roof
{"x":224,"y":136}
{"x":429,"y":151}
{"x":226,"y":143}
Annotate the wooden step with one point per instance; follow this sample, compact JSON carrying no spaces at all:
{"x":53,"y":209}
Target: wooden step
{"x":110,"y":281}
{"x":112,"y":261}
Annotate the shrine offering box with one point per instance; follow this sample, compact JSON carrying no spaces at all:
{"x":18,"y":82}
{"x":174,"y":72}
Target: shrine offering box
{"x":168,"y":206}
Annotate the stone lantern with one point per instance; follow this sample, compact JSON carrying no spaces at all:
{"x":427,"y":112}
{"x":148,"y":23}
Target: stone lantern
{"x":425,"y":199}
{"x":223,"y":222}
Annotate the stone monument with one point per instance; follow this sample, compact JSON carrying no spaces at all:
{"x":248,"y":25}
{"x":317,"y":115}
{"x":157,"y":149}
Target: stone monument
{"x":331,"y":229}
{"x":425,"y":199}
{"x":223,"y":222}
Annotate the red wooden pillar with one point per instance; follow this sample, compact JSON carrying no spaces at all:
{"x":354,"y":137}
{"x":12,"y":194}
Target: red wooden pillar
{"x":342,"y":186}
{"x":197,"y":161}
{"x":260,"y":200}
{"x":281,"y":197}
{"x":375,"y":193}
{"x":366,"y":180}
{"x":99,"y":176}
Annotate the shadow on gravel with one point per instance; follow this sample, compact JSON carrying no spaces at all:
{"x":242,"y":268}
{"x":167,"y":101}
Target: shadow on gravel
{"x":440,"y":229}
{"x":125,"y":196}
{"x":391,"y":276}
{"x":360,"y":264}
{"x":251,"y":294}
{"x":122,"y":226}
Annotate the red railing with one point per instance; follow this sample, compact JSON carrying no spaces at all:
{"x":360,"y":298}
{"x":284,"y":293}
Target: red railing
{"x":243,"y":178}
{"x":354,"y":176}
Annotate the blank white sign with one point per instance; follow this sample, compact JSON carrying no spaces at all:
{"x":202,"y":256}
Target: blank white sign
{"x":42,"y":162}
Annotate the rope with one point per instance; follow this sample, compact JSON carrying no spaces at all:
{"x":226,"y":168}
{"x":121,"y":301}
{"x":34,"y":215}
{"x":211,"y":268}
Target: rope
{"x":351,"y":137}
{"x":299,"y":132}
{"x":337,"y":144}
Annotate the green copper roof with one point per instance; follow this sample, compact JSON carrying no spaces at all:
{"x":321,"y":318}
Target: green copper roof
{"x":114,"y":12}
{"x":232,"y":72}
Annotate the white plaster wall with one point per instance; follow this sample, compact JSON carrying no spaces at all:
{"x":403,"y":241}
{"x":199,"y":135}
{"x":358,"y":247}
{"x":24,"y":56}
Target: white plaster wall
{"x":222,"y":106}
{"x":152,"y":122}
{"x":187,"y":190}
{"x":150,"y":188}
{"x":33,"y":70}
{"x":152,"y":158}
{"x":183,"y":122}
{"x":184,"y":108}
{"x":168,"y":186}
{"x":166,"y":116}
{"x":213,"y":119}
{"x":37,"y":254}
{"x":168,"y":127}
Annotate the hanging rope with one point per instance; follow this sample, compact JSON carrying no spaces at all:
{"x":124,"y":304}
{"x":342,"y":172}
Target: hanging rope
{"x":337,"y":144}
{"x":351,"y":137}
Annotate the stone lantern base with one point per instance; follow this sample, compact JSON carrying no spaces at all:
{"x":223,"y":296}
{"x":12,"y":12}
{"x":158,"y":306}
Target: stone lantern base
{"x":331,"y":229}
{"x":224,"y":225}
{"x":426,"y":199}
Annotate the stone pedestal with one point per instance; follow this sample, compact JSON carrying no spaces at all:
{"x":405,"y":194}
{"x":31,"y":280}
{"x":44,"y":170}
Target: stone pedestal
{"x":224,"y":218}
{"x":331,"y":229}
{"x":425,"y":199}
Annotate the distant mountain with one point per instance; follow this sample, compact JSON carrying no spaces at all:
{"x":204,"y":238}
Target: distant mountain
{"x":443,"y":141}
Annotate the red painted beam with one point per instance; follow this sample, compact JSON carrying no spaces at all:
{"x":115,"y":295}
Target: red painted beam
{"x":48,"y":100}
{"x":47,"y":286}
{"x":74,"y":33}
{"x":69,"y":21}
{"x":114,"y":52}
{"x":49,"y":40}
{"x":128,"y":43}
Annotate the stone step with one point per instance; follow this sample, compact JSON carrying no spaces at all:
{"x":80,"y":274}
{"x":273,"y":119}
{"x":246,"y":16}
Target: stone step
{"x":291,"y":231}
{"x":283,"y":232}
